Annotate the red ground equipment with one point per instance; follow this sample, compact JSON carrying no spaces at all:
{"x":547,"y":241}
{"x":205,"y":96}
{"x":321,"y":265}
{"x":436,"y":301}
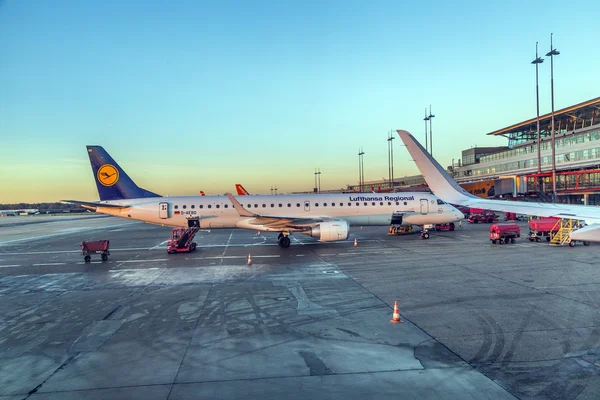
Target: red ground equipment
{"x":97,"y":247}
{"x":445,"y":227}
{"x":504,"y":233}
{"x":542,"y":227}
{"x":477,"y":215}
{"x":182,"y":240}
{"x":510,"y":216}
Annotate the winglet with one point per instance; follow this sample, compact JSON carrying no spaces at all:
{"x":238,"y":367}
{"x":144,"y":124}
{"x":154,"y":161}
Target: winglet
{"x":439,"y":181}
{"x":238,"y":207}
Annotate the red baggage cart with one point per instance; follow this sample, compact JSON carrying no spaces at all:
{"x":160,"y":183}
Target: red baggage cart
{"x":96,"y":247}
{"x":504,"y":233}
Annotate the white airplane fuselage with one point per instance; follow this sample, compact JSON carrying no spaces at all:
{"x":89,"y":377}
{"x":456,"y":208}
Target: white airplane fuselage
{"x":355,"y":208}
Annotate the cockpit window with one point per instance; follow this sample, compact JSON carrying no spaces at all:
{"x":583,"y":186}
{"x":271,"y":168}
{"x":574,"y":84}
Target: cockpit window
{"x":440,"y":202}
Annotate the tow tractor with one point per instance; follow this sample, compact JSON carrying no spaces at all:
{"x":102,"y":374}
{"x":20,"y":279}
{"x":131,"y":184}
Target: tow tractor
{"x":182,"y":240}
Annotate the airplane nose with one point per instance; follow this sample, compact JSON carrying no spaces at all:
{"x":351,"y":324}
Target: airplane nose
{"x":459,"y":214}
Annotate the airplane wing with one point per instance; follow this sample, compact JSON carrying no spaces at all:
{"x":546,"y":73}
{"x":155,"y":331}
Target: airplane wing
{"x":92,"y":205}
{"x":276,"y":223}
{"x":446,"y":188}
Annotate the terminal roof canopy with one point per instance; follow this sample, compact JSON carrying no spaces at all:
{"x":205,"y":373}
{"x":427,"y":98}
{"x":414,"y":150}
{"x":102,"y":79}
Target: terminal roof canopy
{"x":568,"y":119}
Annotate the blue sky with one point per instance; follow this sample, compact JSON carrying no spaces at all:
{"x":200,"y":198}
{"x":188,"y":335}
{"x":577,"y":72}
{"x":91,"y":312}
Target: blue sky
{"x":193,"y":95}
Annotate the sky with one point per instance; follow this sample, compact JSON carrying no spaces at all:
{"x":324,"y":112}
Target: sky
{"x":198,"y":95}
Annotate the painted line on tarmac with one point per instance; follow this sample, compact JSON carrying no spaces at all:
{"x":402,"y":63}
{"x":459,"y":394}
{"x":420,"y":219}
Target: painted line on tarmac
{"x":220,"y":257}
{"x":10,"y":266}
{"x":158,"y":245}
{"x":64,"y":232}
{"x":47,"y":264}
{"x":137,"y":261}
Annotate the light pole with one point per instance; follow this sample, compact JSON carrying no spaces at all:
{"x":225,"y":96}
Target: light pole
{"x":319,"y":173}
{"x":537,"y":61}
{"x":426,"y":119}
{"x":430,"y":116}
{"x":553,"y":52}
{"x":361,"y":172}
{"x":316,"y":187}
{"x":391,"y":159}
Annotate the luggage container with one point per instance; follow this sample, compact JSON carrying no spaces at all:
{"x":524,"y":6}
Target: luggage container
{"x":504,"y":233}
{"x":97,"y":247}
{"x":543,"y":228}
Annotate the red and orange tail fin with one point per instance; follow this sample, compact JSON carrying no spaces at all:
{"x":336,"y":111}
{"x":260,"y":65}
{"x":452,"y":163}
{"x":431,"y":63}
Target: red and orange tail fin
{"x":240,"y":190}
{"x":202,"y":193}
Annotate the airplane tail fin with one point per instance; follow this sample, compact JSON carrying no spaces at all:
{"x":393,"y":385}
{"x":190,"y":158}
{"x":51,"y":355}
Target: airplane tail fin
{"x":113,"y":183}
{"x":240,"y":190}
{"x":439,"y":181}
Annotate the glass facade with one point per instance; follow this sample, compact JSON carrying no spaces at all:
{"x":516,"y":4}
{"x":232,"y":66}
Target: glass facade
{"x":563,"y":155}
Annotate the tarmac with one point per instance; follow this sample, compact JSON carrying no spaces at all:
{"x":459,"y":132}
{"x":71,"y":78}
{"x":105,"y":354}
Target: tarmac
{"x":481,"y":321}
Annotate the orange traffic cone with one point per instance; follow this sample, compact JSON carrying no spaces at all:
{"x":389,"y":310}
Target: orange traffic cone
{"x":249,"y":259}
{"x":396,"y":315}
{"x":355,"y":243}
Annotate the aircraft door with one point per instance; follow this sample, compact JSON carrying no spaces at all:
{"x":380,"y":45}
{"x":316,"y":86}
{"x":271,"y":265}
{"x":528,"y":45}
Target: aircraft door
{"x":424,"y":206}
{"x":307,"y":206}
{"x":163,"y":210}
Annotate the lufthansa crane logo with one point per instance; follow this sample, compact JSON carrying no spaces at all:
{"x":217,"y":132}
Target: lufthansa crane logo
{"x":107,"y":175}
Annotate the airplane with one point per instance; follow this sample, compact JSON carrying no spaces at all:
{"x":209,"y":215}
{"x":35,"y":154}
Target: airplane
{"x":241,"y":191}
{"x":446,"y":188}
{"x":326,"y":217}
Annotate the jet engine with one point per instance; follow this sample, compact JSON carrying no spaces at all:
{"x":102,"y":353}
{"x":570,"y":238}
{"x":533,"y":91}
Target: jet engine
{"x":329,"y":231}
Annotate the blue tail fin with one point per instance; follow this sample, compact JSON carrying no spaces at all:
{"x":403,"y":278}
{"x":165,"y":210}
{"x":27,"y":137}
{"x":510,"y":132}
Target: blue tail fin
{"x":113,"y":183}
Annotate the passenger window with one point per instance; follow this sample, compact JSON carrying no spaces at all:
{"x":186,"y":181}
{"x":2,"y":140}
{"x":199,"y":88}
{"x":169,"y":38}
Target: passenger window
{"x":389,"y":203}
{"x":404,"y":203}
{"x":398,"y":203}
{"x":184,"y":206}
{"x":256,"y":206}
{"x":316,"y":204}
{"x":201,"y":206}
{"x":381,"y":203}
{"x":324,"y":204}
{"x":176,"y":207}
{"x":272,"y":205}
{"x":264,"y":205}
{"x":373,"y":203}
{"x":332,"y":204}
{"x":217,"y":206}
{"x":209,"y":206}
{"x":297,"y":204}
{"x":193,"y":206}
{"x":226,"y":205}
{"x":366,"y":203}
{"x":280,"y":205}
{"x":341,"y":204}
{"x":249,"y":205}
{"x":358,"y":204}
{"x":289,"y":205}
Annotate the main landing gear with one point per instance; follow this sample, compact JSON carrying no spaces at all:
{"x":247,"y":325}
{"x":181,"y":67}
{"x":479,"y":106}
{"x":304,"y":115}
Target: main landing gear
{"x":284,"y":239}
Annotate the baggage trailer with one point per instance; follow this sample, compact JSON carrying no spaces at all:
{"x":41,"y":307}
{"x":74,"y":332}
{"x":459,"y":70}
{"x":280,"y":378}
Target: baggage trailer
{"x":543,"y":228}
{"x":504,"y":233}
{"x":445,"y":227}
{"x":97,"y":247}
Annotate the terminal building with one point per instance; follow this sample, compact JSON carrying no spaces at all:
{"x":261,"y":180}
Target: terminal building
{"x":512,"y":170}
{"x":515,"y":167}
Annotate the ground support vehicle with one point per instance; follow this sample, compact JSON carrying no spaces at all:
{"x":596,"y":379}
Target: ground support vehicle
{"x":541,"y":228}
{"x":400,"y":229}
{"x":182,"y":240}
{"x":95,"y":247}
{"x":504,"y":233}
{"x":478,"y":215}
{"x":445,"y":227}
